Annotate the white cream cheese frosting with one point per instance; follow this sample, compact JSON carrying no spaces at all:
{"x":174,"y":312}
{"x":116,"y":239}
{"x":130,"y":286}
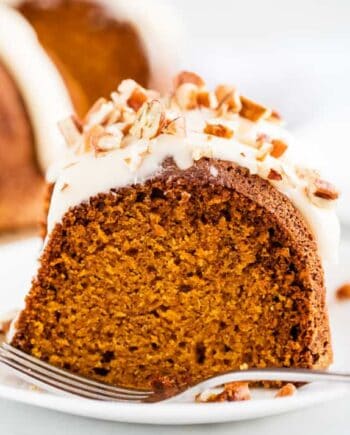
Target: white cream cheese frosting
{"x":118,"y":146}
{"x":43,"y":91}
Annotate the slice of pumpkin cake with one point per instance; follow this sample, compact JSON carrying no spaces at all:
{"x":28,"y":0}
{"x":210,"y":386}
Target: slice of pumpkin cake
{"x":181,"y":242}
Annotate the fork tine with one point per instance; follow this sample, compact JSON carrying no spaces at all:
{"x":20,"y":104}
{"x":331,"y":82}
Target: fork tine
{"x":84,"y":382}
{"x":67,"y":382}
{"x":51,"y":384}
{"x":100,"y":385}
{"x":77,"y":384}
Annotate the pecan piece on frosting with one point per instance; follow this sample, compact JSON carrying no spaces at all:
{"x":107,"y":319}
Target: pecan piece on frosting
{"x":188,"y":77}
{"x":99,"y":112}
{"x":71,"y":131}
{"x":219,"y":130}
{"x":279,"y":147}
{"x":108,"y":142}
{"x":206,"y":99}
{"x":262,"y":139}
{"x":253,"y":111}
{"x":229,"y":96}
{"x":287,"y":390}
{"x":274,"y":175}
{"x":149,"y":120}
{"x":275,"y":117}
{"x":136,"y":99}
{"x":186,"y":96}
{"x":325,"y":190}
{"x":175,"y":127}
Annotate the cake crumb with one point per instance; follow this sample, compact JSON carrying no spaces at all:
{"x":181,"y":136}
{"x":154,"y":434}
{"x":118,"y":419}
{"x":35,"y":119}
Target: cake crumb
{"x":287,"y":390}
{"x":343,"y":292}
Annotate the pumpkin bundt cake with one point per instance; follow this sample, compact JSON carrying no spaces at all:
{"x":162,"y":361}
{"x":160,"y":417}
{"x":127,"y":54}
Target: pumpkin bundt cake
{"x":181,"y":242}
{"x":55,"y":55}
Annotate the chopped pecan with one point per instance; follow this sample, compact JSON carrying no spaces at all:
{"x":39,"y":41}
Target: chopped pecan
{"x":343,"y":292}
{"x":279,"y":147}
{"x":70,"y":131}
{"x":263,"y":151}
{"x":325,"y":190}
{"x":149,"y":120}
{"x":113,"y":117}
{"x":274,"y":175}
{"x":262,"y":138}
{"x":274,"y":117}
{"x":205,"y":99}
{"x":237,"y":391}
{"x":108,"y":142}
{"x":186,"y":96}
{"x":219,"y":130}
{"x":253,"y":111}
{"x":232,"y":392}
{"x":176,"y":127}
{"x":286,"y":390}
{"x":188,"y":77}
{"x":99,"y":112}
{"x":229,"y":96}
{"x":91,"y":137}
{"x":136,"y":99}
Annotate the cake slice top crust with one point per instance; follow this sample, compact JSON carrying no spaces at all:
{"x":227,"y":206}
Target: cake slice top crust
{"x":125,"y":140}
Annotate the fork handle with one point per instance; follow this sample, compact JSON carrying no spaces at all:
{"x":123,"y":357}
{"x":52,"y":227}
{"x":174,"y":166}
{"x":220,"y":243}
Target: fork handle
{"x":276,"y":374}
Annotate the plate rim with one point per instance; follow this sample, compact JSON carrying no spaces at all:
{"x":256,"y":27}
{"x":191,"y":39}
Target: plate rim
{"x":175,"y":413}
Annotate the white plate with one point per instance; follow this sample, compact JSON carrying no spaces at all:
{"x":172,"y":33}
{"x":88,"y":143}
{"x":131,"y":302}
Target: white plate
{"x":17,"y":265}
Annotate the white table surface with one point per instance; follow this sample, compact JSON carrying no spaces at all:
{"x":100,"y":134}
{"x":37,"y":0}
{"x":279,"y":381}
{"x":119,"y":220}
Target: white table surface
{"x":329,"y":418}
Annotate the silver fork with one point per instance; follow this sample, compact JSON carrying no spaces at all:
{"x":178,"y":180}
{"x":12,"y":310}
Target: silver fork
{"x":50,"y":378}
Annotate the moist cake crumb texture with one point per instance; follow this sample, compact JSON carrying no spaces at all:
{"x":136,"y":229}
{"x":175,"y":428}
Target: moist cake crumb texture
{"x":178,"y":277}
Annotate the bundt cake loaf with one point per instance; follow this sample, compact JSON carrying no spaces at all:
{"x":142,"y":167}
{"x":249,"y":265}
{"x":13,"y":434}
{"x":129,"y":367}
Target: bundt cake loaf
{"x":46,"y":68}
{"x":181,"y":242}
{"x":32,"y":99}
{"x":103,"y":42}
